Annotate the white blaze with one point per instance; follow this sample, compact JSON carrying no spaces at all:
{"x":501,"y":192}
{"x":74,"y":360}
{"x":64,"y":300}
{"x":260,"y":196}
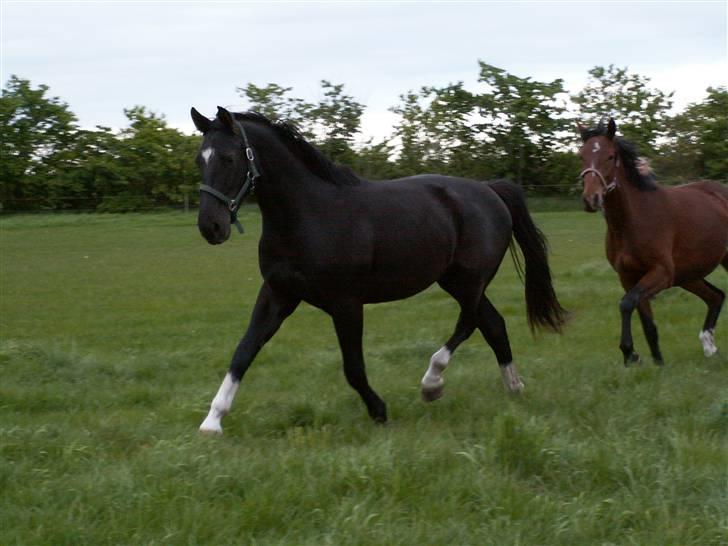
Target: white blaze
{"x":207,"y":154}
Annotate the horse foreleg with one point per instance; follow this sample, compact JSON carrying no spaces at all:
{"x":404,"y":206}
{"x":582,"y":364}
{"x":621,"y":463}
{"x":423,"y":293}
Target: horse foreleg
{"x":271,"y":309}
{"x":655,"y":280}
{"x":650,"y":329}
{"x":348,"y":322}
{"x":713,"y":298}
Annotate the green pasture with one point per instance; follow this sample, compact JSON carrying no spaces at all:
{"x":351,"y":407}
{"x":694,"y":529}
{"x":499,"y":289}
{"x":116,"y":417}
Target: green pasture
{"x":116,"y":331}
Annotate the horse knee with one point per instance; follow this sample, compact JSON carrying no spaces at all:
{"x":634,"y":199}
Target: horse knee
{"x":628,"y":302}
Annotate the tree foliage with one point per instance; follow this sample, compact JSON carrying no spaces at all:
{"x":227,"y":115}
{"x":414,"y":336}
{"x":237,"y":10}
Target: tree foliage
{"x":697,"y":140}
{"x":510,"y":126}
{"x":522,"y":119}
{"x":615,"y":92}
{"x":36,"y":135}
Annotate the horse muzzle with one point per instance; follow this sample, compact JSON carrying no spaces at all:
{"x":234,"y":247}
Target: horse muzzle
{"x":593,"y":203}
{"x":214,"y":232}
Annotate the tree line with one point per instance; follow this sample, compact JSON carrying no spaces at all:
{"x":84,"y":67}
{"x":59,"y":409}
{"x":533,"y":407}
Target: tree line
{"x":512,"y":127}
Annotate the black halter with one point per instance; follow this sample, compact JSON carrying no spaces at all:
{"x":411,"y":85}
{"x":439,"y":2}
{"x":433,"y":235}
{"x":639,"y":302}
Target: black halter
{"x":248,"y":186}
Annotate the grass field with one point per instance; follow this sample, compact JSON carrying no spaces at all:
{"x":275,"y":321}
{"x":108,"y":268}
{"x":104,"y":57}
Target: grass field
{"x":117,"y":330}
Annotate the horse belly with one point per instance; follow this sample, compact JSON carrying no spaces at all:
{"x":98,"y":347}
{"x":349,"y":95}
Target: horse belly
{"x":377,"y":288}
{"x":701,"y":240}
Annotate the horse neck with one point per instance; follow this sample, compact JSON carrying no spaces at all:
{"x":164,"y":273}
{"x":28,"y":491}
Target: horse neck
{"x":286,"y":188}
{"x":623,"y":206}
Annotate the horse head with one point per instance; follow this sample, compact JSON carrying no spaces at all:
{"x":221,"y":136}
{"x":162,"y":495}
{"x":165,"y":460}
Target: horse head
{"x":600,"y":160}
{"x":227,"y":166}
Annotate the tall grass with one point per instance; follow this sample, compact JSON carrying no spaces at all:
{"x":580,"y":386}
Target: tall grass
{"x":117,"y":329}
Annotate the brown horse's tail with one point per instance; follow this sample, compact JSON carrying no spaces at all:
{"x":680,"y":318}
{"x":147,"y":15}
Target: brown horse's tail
{"x":544,"y":309}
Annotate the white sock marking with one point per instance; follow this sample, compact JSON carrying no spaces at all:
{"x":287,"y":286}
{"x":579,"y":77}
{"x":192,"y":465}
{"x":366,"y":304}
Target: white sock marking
{"x":510,"y":378}
{"x":433,"y":376}
{"x":221,"y":405}
{"x":207,"y":154}
{"x":707,"y":338}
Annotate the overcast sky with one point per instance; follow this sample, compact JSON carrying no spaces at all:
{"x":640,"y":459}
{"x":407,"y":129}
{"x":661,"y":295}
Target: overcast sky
{"x":101,"y":57}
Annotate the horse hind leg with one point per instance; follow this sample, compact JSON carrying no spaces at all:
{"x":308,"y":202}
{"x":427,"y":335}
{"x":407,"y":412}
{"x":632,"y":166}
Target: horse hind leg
{"x":432,"y":383}
{"x":713,"y":298}
{"x":466,"y":292}
{"x":493,"y":328}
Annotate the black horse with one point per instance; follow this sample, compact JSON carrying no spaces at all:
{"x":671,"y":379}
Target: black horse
{"x":337,"y":242}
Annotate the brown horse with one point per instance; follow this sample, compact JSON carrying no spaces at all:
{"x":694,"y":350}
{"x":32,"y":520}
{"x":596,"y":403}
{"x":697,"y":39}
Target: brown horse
{"x":657,"y":236}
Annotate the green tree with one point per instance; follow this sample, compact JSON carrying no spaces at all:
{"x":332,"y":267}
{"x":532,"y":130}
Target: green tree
{"x":336,"y":121}
{"x":154,"y":164}
{"x":333,"y":123}
{"x":91,"y":169}
{"x":36,"y":132}
{"x":372,"y":160}
{"x":411,"y":131}
{"x":274,"y":102}
{"x":436,"y":133}
{"x":697,"y":143}
{"x":641,"y":112}
{"x":523,"y":121}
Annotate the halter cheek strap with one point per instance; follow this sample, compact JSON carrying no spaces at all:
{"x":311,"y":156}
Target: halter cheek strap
{"x":248,"y":186}
{"x":608,"y":187}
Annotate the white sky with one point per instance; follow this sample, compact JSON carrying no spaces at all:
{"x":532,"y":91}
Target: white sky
{"x":101,"y":57}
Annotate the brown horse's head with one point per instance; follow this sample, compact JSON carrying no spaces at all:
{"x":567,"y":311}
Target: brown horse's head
{"x":599,"y":164}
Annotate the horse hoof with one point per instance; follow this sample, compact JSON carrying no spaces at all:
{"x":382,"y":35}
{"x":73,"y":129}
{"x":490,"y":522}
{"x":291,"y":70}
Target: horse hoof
{"x":433,"y":393}
{"x":210,"y":432}
{"x":707,"y":339}
{"x":632,"y":360}
{"x":211,"y":427}
{"x":511,"y":379}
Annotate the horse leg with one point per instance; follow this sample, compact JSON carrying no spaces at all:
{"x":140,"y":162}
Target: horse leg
{"x":348,"y":322}
{"x":713,"y":298}
{"x":650,"y":329}
{"x":493,"y":328}
{"x":466,"y":292}
{"x":271,"y":309}
{"x":432,"y":383}
{"x":656,"y":279}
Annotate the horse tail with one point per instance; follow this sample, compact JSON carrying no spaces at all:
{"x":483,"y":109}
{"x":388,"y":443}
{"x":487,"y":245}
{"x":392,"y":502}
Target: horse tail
{"x":543,"y":308}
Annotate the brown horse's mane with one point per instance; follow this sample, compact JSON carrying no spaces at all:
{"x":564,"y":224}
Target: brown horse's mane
{"x":637,"y":169}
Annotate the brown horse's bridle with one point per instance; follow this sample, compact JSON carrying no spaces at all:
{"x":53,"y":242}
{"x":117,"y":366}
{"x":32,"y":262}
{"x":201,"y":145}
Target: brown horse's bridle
{"x":608,"y":187}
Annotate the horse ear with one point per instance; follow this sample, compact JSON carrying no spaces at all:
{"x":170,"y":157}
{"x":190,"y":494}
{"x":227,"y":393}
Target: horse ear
{"x":201,"y":122}
{"x":581,"y":130}
{"x":226,"y":118}
{"x":611,"y":129}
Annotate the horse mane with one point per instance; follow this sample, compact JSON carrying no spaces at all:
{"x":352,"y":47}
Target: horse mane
{"x":638,"y":170}
{"x":310,"y":155}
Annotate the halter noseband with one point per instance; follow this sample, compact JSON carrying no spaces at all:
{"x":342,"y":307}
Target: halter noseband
{"x":608,"y":187}
{"x":248,"y":186}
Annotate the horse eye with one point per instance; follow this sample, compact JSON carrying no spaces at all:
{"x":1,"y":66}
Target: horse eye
{"x":610,"y":157}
